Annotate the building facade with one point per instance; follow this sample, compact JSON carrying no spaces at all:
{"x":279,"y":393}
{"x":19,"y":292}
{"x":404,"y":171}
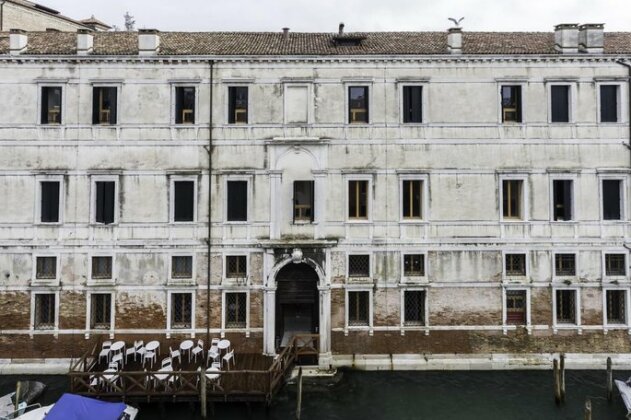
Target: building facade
{"x":395,"y":193}
{"x":31,"y":16}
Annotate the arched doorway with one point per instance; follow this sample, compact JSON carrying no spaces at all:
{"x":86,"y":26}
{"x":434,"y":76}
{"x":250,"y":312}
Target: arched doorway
{"x":297,"y":302}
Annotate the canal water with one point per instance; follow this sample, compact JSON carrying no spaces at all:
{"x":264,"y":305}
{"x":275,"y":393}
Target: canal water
{"x":487,"y":395}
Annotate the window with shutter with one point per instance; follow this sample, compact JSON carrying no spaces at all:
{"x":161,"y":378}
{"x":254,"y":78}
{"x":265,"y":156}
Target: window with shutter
{"x":184,"y":201}
{"x":237,"y":201}
{"x":612,"y":199}
{"x":412,"y":104}
{"x":49,"y":201}
{"x":105,"y":201}
{"x":609,"y":103}
{"x":560,"y":103}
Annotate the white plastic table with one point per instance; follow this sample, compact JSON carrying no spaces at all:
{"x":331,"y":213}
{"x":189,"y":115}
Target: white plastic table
{"x":118,"y":346}
{"x":153,"y":345}
{"x":211,"y":373}
{"x":223,"y":344}
{"x":186,"y":346}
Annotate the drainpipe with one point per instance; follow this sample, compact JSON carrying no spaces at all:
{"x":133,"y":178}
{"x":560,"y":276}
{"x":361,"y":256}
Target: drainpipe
{"x":1,"y":14}
{"x":211,"y":65}
{"x":628,"y":66}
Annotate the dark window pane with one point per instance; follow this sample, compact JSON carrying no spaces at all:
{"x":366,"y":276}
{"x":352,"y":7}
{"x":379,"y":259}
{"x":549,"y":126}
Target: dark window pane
{"x":184,"y":205}
{"x":615,"y":264}
{"x":516,"y":307}
{"x":359,"y":265}
{"x":357,"y":199}
{"x":609,"y":103}
{"x":238,"y":105}
{"x":181,"y":310}
{"x":414,"y":265}
{"x":184,"y":105}
{"x":237,"y":201}
{"x":565,"y":264}
{"x":105,"y":198}
{"x":104,"y":105}
{"x":511,"y":103}
{"x":46,"y":268}
{"x":515,"y":264}
{"x":412,"y":196}
{"x":51,"y":105}
{"x":236,"y":310}
{"x":50,"y":202}
{"x":414,"y":307}
{"x":412,"y":104}
{"x":616,"y":307}
{"x":611,"y":199}
{"x":566,"y":306}
{"x":562,"y":192}
{"x":101,"y":313}
{"x":236,"y":266}
{"x":44,"y":315}
{"x":358,"y":104}
{"x":182,"y":267}
{"x":560,"y":103}
{"x":512,"y":199}
{"x":303,"y":201}
{"x":358,"y":310}
{"x":101,"y":267}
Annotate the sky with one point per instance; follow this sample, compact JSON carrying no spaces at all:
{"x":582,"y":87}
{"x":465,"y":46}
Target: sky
{"x":358,"y":15}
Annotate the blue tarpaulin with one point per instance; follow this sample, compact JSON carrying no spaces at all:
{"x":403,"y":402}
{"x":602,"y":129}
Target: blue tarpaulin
{"x":75,"y":407}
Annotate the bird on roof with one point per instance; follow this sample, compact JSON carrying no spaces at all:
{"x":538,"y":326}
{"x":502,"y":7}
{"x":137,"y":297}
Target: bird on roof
{"x":456,"y":21}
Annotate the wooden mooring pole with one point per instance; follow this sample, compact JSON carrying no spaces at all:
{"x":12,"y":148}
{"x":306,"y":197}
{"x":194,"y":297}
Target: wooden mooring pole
{"x":588,"y":410}
{"x":557,"y":381}
{"x":609,"y":380}
{"x":562,"y":367}
{"x":299,"y":395}
{"x":202,"y":397}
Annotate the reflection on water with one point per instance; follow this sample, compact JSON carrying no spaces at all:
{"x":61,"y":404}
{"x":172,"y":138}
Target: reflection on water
{"x":486,"y":395}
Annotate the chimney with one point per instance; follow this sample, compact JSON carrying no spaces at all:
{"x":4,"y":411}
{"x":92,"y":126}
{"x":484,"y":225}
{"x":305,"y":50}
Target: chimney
{"x":148,"y":41}
{"x":285,"y":34}
{"x":85,"y":41}
{"x":591,"y":38}
{"x":17,"y":41}
{"x":341,"y":30}
{"x":566,"y":38}
{"x":454,"y":41}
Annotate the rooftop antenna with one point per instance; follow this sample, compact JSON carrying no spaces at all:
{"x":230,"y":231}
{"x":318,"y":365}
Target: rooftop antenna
{"x":456,"y":21}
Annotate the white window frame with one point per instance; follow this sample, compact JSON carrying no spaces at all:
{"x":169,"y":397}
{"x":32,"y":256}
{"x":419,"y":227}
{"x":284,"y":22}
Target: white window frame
{"x":505,"y":325}
{"x":359,"y":83}
{"x":571,"y":84}
{"x":249,"y":180}
{"x":93,"y":281}
{"x":623,"y":196}
{"x":172,"y":180}
{"x":224,"y":274}
{"x":370,"y":265}
{"x":310,"y":99}
{"x":369,"y":206}
{"x":46,"y":282}
{"x":620,"y":103}
{"x":424,"y":101}
{"x":413,"y":279}
{"x":248,"y":83}
{"x":119,"y":87}
{"x":88,"y":317}
{"x":425,"y":325}
{"x":563,"y":177}
{"x":170,"y":329}
{"x":525,"y":252}
{"x":104,"y":178}
{"x":38,"y":199}
{"x":40,"y":102}
{"x":180,"y":280}
{"x":424,"y":178}
{"x":627,"y":297}
{"x":525,"y":205}
{"x":604,"y":254}
{"x":32,"y":328}
{"x":577,"y":308}
{"x":224,"y":308}
{"x":184,"y":83}
{"x":576,"y":265}
{"x":511,"y":82}
{"x":370,"y":325}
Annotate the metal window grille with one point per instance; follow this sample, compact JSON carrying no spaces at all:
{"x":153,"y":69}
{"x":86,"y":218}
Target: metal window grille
{"x":101,"y":267}
{"x":182,"y":267}
{"x":359,"y":265}
{"x":511,"y":200}
{"x":44,"y":318}
{"x":616,"y":307}
{"x":181,"y":310}
{"x":101,"y":311}
{"x":412,"y":199}
{"x":615,"y":264}
{"x":236,"y":266}
{"x":46,"y":268}
{"x":566,"y":306}
{"x":358,"y":309}
{"x":516,"y":307}
{"x":515,"y":264}
{"x":414,"y":265}
{"x":236,"y":310}
{"x":414,"y":306}
{"x":565,"y":264}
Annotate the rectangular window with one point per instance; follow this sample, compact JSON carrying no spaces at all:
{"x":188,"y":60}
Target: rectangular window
{"x":414,"y":265}
{"x":46,"y":268}
{"x":236,"y":266}
{"x":615,"y":265}
{"x":511,"y":104}
{"x":184,"y":105}
{"x":49,"y":201}
{"x":414,"y":307}
{"x":358,"y":309}
{"x":181,"y":310}
{"x":358,"y":104}
{"x":104,"y":103}
{"x":101,"y":267}
{"x":516,"y":307}
{"x":101,"y":311}
{"x":237,"y":201}
{"x":609,"y":103}
{"x":44,"y":315}
{"x":612,"y":199}
{"x":512,"y":199}
{"x":238,"y":105}
{"x":236,"y":310}
{"x":616,"y":307}
{"x":182,"y":267}
{"x":412,"y":199}
{"x":303,"y":201}
{"x":51,"y":105}
{"x":562,"y":196}
{"x":357,"y":199}
{"x":565,"y":264}
{"x":184,"y":201}
{"x":566,"y":306}
{"x":560,"y":103}
{"x":515,"y":264}
{"x":412,"y":104}
{"x":359,"y":266}
{"x":105,"y":201}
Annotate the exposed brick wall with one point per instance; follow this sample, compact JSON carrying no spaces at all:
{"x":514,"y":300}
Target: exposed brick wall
{"x":15,"y":310}
{"x":256,"y":309}
{"x":72,"y":310}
